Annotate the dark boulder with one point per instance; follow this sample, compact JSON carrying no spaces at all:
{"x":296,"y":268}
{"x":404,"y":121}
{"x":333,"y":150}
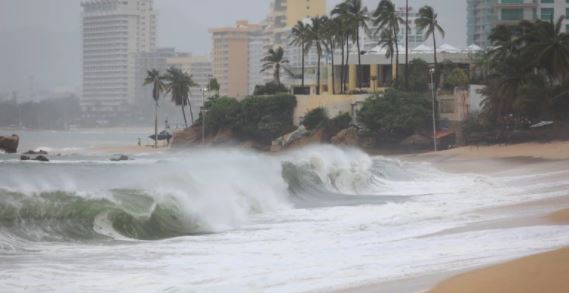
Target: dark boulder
{"x":40,"y":152}
{"x":9,"y":143}
{"x":25,"y":158}
{"x":119,"y":158}
{"x":42,"y":158}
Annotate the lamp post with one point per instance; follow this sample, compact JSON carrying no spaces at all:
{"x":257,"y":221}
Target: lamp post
{"x":432,"y":71}
{"x":204,"y":111}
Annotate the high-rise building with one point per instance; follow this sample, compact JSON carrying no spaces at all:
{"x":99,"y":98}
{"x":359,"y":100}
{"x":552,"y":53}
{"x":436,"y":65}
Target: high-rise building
{"x":114,"y":32}
{"x":484,"y":15}
{"x":234,"y":54}
{"x":286,"y":13}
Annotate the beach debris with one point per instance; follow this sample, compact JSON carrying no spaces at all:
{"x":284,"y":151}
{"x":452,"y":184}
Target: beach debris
{"x":9,"y":143}
{"x":25,"y":158}
{"x":118,"y":158}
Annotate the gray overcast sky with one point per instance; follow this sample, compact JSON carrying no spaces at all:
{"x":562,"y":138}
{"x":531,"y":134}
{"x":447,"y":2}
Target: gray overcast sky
{"x":40,"y":39}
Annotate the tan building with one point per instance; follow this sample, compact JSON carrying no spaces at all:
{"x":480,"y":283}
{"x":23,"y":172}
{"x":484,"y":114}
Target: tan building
{"x":231,"y":54}
{"x":286,"y":13}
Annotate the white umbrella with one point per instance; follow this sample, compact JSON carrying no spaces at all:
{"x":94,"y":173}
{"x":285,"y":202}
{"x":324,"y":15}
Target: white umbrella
{"x":422,"y":49}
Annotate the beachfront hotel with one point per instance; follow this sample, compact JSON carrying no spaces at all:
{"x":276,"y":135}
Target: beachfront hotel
{"x":484,"y":15}
{"x":114,"y":32}
{"x":236,"y":57}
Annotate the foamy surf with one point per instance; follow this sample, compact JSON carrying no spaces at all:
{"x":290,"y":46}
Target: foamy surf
{"x":318,"y":218}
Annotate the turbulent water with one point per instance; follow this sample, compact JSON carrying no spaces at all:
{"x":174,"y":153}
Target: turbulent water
{"x":230,"y":221}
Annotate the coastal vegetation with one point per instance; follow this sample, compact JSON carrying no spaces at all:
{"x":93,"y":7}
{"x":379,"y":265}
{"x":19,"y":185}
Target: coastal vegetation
{"x":526,"y":75}
{"x":396,"y":114}
{"x":178,"y":84}
{"x":157,"y":81}
{"x":256,"y":118}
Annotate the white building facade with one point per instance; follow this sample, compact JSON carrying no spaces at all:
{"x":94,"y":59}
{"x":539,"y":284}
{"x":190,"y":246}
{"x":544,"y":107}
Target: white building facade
{"x":114,"y":32}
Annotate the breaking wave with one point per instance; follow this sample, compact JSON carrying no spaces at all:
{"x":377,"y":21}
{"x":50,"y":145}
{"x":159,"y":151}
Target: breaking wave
{"x":205,"y":191}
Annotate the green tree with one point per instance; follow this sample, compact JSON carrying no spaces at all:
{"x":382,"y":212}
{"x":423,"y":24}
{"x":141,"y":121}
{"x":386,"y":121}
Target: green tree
{"x":457,"y":78}
{"x":550,"y":50}
{"x":385,"y":17}
{"x":395,"y":113}
{"x":178,"y":84}
{"x":154,"y":78}
{"x":388,"y":42}
{"x":357,"y":14}
{"x":213,"y":86}
{"x":299,"y":38}
{"x":428,"y":22}
{"x":316,"y":31}
{"x":274,"y":60}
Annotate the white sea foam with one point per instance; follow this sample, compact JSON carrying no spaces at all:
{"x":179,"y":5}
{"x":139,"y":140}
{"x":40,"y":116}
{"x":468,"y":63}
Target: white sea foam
{"x":369,"y":220}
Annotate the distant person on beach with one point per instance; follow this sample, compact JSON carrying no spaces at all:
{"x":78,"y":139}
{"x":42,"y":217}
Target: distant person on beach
{"x":139,"y":142}
{"x":167,"y":125}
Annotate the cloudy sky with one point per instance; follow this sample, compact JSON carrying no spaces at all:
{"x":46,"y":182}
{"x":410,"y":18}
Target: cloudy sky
{"x":40,"y":39}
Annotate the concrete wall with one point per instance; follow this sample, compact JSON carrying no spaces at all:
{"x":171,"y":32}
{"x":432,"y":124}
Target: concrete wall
{"x":334,"y":104}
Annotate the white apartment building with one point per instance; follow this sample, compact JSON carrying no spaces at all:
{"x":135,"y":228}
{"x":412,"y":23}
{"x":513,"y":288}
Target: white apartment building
{"x":113,"y":33}
{"x":484,"y":15}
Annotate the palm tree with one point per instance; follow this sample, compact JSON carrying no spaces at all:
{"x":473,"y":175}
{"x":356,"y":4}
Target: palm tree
{"x":358,"y":16}
{"x":213,"y":86}
{"x":331,"y":28}
{"x":342,"y":13}
{"x":299,"y":35}
{"x":274,"y":60}
{"x":550,"y":51}
{"x":153,"y":77}
{"x":179,"y":84}
{"x":385,"y":17}
{"x":388,"y":41}
{"x":428,"y":22}
{"x":406,"y":44}
{"x":316,"y":39}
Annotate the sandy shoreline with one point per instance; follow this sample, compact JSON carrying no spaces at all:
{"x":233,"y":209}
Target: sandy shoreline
{"x":543,"y":272}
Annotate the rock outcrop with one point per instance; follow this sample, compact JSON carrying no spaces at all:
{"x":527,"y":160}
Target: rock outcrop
{"x":9,"y":144}
{"x":40,"y":158}
{"x":187,"y":137}
{"x":347,"y":137}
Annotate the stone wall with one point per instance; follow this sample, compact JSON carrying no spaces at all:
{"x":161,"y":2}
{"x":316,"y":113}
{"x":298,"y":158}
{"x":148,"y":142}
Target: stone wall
{"x":334,"y":104}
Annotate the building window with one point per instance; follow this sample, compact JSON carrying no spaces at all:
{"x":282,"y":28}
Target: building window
{"x":447,"y":106}
{"x":547,"y":14}
{"x":512,"y":1}
{"x":546,"y":1}
{"x":512,"y":14}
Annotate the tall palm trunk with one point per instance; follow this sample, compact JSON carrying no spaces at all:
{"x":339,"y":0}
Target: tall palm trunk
{"x":319,"y":53}
{"x":333,"y":75}
{"x":156,"y":124}
{"x":360,"y":77}
{"x":184,"y":114}
{"x":347,"y":60}
{"x":278,"y":73}
{"x":190,"y":106}
{"x":302,"y":73}
{"x":395,"y":82}
{"x":406,"y":44}
{"x":436,"y":82}
{"x":342,"y":68}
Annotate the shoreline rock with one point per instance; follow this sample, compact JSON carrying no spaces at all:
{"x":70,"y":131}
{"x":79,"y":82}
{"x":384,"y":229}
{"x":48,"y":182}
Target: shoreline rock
{"x":10,"y":143}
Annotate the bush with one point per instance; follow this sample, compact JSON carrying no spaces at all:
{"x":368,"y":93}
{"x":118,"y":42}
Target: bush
{"x":222,"y":112}
{"x":396,"y":113}
{"x":338,"y":123}
{"x":456,"y":78}
{"x":270,"y":88}
{"x":315,"y":118}
{"x":265,"y":118}
{"x":419,"y":78}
